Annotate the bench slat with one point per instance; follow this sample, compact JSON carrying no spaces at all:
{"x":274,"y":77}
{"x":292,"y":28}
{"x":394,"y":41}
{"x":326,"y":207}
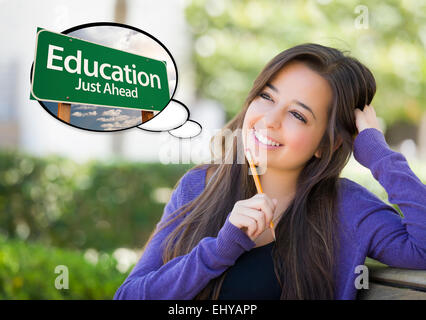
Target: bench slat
{"x":381,"y":292}
{"x":413,"y":279}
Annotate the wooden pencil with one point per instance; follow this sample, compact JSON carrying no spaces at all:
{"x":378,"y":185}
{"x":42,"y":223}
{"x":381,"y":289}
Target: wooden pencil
{"x":257,"y":182}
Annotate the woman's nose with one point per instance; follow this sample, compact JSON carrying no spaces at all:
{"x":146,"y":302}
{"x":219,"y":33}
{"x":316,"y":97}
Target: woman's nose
{"x":272,"y":119}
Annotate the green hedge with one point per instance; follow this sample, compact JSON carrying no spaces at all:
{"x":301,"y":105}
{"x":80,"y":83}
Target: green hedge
{"x":27,"y":271}
{"x":101,"y":205}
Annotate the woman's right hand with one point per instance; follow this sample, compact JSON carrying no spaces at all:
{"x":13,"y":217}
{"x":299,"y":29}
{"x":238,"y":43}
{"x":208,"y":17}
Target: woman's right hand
{"x":253,"y":215}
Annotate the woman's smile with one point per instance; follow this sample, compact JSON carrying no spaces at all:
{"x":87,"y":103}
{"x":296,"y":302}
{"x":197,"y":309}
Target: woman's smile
{"x":264,"y":142}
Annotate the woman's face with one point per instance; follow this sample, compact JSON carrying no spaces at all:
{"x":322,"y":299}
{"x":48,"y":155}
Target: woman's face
{"x":291,"y":110}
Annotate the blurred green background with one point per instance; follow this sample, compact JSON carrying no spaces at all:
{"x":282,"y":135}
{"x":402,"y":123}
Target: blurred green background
{"x":91,"y":217}
{"x":235,"y":39}
{"x":95,"y":217}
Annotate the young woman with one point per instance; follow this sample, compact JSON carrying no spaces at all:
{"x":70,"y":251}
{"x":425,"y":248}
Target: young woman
{"x":308,"y":109}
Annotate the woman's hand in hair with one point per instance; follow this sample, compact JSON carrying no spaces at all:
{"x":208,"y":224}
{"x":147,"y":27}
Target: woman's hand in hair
{"x":253,"y":215}
{"x":366,"y":119}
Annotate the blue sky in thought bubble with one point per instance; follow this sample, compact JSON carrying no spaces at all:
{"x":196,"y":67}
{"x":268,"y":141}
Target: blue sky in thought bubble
{"x":99,"y":118}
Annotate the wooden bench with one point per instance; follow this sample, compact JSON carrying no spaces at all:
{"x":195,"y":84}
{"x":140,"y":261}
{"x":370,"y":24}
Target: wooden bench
{"x":387,"y":283}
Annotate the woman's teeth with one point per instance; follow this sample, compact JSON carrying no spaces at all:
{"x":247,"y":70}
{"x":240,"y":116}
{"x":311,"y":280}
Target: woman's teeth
{"x":265,"y":140}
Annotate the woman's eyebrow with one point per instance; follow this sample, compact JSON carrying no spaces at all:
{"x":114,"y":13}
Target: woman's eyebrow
{"x":294,"y":100}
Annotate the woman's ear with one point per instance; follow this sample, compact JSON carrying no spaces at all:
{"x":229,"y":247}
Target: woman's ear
{"x":338,"y":143}
{"x":336,"y":146}
{"x":318,"y":154}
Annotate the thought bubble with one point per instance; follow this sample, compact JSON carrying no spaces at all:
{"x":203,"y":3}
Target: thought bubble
{"x":172,"y":117}
{"x":189,"y":129}
{"x":108,"y":77}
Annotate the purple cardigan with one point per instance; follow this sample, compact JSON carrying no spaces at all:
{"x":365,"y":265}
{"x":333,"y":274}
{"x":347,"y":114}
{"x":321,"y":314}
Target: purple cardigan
{"x":369,"y":227}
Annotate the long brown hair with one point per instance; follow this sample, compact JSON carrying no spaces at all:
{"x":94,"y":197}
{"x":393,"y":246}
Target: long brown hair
{"x":305,"y":250}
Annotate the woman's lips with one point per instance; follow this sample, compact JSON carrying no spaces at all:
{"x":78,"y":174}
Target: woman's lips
{"x":267,"y":146}
{"x":267,"y":137}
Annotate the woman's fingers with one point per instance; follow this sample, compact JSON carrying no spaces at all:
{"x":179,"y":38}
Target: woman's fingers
{"x":253,"y":214}
{"x":259,"y":218}
{"x":262,"y":202}
{"x":366,"y":118}
{"x":249,"y":223}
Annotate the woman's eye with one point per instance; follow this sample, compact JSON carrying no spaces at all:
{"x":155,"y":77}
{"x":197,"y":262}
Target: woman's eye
{"x":298,"y":116}
{"x":265,"y":96}
{"x":295,"y":114}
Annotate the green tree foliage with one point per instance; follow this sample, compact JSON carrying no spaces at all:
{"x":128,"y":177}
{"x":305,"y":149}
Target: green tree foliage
{"x":234,"y":39}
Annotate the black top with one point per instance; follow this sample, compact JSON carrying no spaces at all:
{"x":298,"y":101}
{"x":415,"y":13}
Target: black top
{"x":252,"y":277}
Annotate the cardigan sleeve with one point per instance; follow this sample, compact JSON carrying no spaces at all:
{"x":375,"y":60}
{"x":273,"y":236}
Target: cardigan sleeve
{"x":185,"y":276}
{"x":389,"y":238}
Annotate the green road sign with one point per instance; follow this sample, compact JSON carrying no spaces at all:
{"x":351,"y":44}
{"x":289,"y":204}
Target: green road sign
{"x":72,"y":70}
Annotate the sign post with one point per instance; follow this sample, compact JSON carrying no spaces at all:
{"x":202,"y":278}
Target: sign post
{"x":146,"y":115}
{"x":64,"y":112}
